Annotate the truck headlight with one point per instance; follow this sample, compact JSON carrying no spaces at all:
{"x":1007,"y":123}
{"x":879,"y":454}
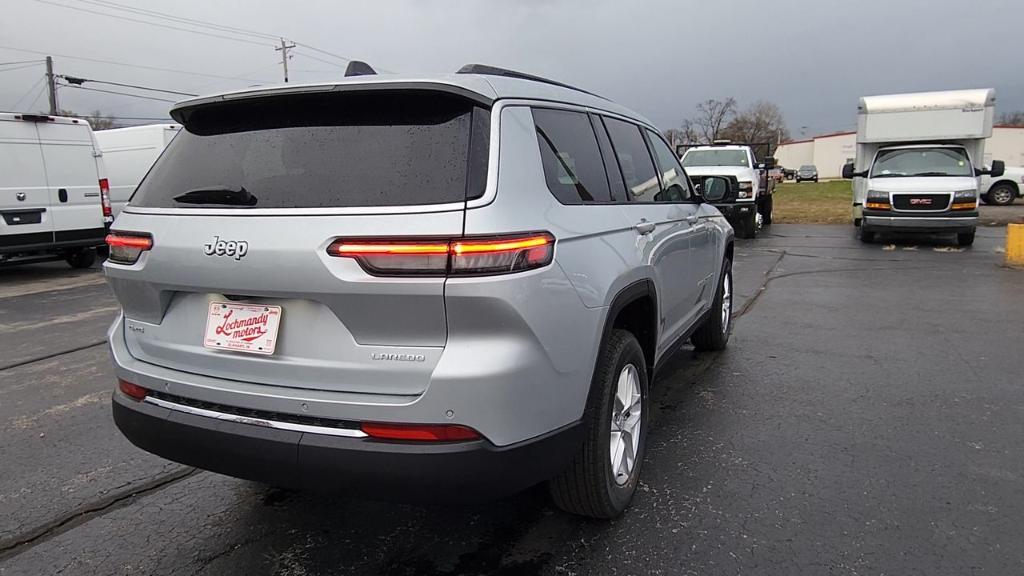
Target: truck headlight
{"x":877,"y":200}
{"x":746,"y":190}
{"x":965,"y":200}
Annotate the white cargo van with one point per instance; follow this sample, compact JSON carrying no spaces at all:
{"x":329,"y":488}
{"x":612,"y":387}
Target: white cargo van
{"x":54,"y":199}
{"x":918,"y":162}
{"x":128,"y":153}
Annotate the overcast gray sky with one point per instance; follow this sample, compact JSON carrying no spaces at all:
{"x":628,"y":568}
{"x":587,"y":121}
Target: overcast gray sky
{"x":660,"y":57}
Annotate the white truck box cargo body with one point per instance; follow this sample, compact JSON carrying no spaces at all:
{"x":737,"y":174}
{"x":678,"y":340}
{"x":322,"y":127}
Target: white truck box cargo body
{"x":129,"y":153}
{"x":918,"y":160}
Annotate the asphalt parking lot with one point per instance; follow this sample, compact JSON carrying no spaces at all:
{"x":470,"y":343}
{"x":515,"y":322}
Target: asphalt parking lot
{"x":867,"y":418}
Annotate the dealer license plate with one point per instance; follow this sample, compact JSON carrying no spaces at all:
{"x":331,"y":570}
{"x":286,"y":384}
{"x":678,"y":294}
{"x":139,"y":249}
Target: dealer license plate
{"x":242,"y":327}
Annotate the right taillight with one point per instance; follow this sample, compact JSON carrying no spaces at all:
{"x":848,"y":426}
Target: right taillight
{"x":108,"y":213}
{"x":470,"y":256}
{"x":126,"y":248}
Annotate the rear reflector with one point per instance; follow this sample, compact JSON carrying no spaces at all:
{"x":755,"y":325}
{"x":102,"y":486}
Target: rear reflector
{"x":125,"y":248}
{"x":108,"y":214}
{"x":133,"y":391}
{"x":420,"y":432}
{"x":473,"y":256}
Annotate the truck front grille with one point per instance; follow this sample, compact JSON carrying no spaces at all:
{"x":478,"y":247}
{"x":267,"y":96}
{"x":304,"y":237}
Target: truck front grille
{"x":922,"y":202}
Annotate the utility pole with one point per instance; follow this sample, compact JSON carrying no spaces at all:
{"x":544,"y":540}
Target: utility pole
{"x":51,"y":86}
{"x":285,"y":47}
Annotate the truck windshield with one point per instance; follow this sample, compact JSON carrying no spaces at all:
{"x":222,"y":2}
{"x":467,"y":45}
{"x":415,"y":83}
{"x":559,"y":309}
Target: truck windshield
{"x":909,"y":162}
{"x":715,"y":158}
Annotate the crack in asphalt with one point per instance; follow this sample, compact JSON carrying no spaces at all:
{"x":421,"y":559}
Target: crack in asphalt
{"x":53,"y":355}
{"x":35,"y":536}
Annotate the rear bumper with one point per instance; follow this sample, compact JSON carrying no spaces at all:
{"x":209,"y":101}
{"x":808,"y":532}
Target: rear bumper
{"x":357,"y":466}
{"x":951,"y":223}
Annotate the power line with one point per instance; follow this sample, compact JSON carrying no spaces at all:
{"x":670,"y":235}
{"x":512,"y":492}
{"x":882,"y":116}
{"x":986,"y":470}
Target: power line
{"x":22,"y":67}
{"x":78,"y":81}
{"x":151,"y":23}
{"x":140,"y":66}
{"x":318,"y":59}
{"x":22,"y":62}
{"x":27,"y":92}
{"x":118,"y":93}
{"x":179,"y":19}
{"x":200,"y":23}
{"x":36,"y":99}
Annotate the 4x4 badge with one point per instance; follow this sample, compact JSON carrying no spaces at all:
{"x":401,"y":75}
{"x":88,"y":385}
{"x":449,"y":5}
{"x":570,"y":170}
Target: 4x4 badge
{"x":237,"y":249}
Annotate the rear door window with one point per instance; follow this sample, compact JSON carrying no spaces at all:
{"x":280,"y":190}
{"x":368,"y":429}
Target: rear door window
{"x":634,"y":160}
{"x":569,"y":152}
{"x":326,"y":150}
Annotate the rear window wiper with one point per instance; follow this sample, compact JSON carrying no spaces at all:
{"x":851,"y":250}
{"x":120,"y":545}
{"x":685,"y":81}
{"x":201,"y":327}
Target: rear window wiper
{"x":224,"y":196}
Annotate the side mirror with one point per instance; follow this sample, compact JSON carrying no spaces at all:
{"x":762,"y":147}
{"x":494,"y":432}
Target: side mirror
{"x":769,"y":163}
{"x":850,"y":172}
{"x":714,"y":188}
{"x":998,"y":168}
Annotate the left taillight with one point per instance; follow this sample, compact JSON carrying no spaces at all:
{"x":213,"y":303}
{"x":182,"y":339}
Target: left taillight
{"x":469,"y":256}
{"x":133,"y":391}
{"x":125,"y":248}
{"x":108,"y":213}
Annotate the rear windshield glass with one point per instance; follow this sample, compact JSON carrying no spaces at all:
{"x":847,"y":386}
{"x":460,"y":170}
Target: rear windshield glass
{"x":327,"y":150}
{"x":907,"y":162}
{"x":715,"y":158}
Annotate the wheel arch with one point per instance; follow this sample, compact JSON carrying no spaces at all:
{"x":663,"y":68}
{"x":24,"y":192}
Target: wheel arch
{"x":635,"y":309}
{"x":1007,"y":182}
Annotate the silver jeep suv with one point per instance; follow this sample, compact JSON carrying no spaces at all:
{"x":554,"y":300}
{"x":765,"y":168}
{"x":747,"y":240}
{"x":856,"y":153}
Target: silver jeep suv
{"x":409,"y":288}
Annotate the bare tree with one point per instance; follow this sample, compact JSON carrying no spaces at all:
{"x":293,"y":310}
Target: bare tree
{"x":1013,"y":118}
{"x":761,"y":122}
{"x":706,"y":126}
{"x":97,"y":120}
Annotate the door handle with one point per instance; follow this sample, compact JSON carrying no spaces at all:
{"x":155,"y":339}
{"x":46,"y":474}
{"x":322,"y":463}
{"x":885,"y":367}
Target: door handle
{"x":645,"y":227}
{"x":62,"y":194}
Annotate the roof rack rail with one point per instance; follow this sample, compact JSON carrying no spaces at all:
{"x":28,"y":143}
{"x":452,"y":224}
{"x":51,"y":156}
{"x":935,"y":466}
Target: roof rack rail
{"x":495,"y":71}
{"x":359,"y":68}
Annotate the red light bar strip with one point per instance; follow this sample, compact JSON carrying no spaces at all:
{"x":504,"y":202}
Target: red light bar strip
{"x":471,"y":247}
{"x":420,"y":432}
{"x":363,"y":248}
{"x":140,"y":242}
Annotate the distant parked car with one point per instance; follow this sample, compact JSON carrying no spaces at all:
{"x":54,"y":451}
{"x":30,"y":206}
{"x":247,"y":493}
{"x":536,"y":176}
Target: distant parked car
{"x":1004,"y":190}
{"x":807,"y":172}
{"x":789,"y":173}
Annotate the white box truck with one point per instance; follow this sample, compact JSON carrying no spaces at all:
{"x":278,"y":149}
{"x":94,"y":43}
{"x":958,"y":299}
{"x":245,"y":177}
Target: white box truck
{"x":919,"y":160}
{"x":129,"y":153}
{"x":54,"y":201}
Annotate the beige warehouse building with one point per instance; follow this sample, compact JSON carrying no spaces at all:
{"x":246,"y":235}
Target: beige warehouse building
{"x":830,"y":151}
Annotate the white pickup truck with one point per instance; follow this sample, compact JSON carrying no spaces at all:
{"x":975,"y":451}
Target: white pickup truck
{"x":748,"y":206}
{"x":1004,"y":190}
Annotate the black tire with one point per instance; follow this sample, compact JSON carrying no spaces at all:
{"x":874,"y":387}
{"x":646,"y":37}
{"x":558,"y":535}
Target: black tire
{"x":965,"y":238}
{"x":984,"y":199}
{"x":83,"y":258}
{"x":748,"y":225}
{"x":714,"y":333}
{"x":856,"y":222}
{"x":1001,"y":194}
{"x":588,"y":485}
{"x":815,"y":180}
{"x":766,"y":210}
{"x":866,"y":236}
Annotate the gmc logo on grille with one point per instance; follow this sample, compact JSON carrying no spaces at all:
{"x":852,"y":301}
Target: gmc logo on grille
{"x":920,"y":201}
